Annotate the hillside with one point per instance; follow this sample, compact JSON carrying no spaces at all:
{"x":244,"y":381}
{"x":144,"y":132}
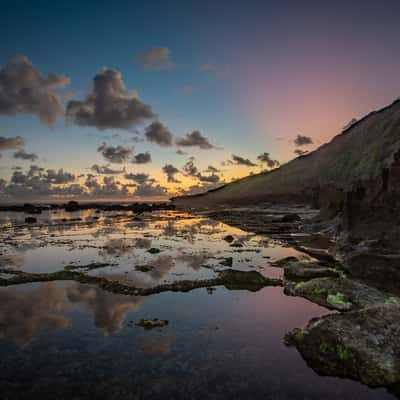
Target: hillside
{"x":360,"y":153}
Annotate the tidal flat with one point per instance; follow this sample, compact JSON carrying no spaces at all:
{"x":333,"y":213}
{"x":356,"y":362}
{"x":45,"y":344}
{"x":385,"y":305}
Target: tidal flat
{"x":163,"y":304}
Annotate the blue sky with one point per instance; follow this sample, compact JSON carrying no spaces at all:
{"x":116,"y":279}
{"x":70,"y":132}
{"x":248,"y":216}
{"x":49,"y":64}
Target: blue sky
{"x":275,"y":70}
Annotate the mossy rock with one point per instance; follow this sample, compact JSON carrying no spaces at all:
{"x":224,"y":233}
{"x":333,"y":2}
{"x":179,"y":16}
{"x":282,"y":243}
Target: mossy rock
{"x":363,"y":345}
{"x":152,"y":323}
{"x":341,"y":294}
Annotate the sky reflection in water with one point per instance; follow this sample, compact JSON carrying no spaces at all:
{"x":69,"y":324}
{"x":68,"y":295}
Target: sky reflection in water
{"x":68,"y":338}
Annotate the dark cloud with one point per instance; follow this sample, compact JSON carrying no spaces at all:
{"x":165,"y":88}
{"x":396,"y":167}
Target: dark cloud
{"x":23,"y":155}
{"x":303,"y":140}
{"x":141,"y":158}
{"x":150,"y":190}
{"x":300,"y":152}
{"x":158,"y":133}
{"x":266,"y":158}
{"x":181,"y":152}
{"x":190,"y":169}
{"x":212,"y":169}
{"x":109,"y":104}
{"x":7,"y":143}
{"x":109,"y":187}
{"x":106,"y":170}
{"x":155,"y":58}
{"x":23,"y":89}
{"x":242,"y":161}
{"x":39,"y":184}
{"x":58,"y":177}
{"x":138,"y":178}
{"x":115,"y":154}
{"x":171,"y":171}
{"x":213,"y":178}
{"x":195,"y":139}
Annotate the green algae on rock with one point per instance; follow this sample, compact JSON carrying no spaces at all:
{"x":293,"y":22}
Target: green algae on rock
{"x":341,"y":294}
{"x":363,"y":345}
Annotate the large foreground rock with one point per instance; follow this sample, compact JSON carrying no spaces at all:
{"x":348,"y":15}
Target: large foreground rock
{"x":362,"y":345}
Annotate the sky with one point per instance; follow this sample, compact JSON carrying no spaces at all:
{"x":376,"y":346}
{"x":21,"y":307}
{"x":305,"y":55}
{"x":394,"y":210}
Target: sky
{"x":143,"y":100}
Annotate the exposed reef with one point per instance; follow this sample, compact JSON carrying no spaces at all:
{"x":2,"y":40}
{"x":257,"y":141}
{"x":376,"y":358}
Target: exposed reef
{"x":231,"y":279}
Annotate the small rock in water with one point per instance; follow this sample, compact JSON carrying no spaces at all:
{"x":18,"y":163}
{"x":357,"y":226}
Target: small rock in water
{"x":152,"y":323}
{"x":153,"y":250}
{"x":227,"y":262}
{"x":30,"y":220}
{"x":229,"y":238}
{"x":291,"y":218}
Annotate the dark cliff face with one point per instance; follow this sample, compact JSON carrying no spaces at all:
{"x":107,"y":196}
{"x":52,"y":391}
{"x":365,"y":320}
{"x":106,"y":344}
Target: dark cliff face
{"x":358,"y":157}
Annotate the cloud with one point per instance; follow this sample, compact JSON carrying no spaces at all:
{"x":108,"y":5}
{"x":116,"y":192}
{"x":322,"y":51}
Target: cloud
{"x":138,"y":178}
{"x":303,"y":140}
{"x":39,"y":184}
{"x":141,"y":158}
{"x":108,"y":188}
{"x":212,"y":169}
{"x":242,"y":161}
{"x":171,"y":171}
{"x":109,"y":104}
{"x":106,"y":170}
{"x":190,"y":169}
{"x":158,"y":133}
{"x":265,"y":158}
{"x":181,"y":152}
{"x":195,"y":139}
{"x":58,"y":177}
{"x":213,"y":178}
{"x":23,"y":89}
{"x":300,"y":152}
{"x":115,"y":154}
{"x":23,"y":155}
{"x":7,"y":143}
{"x":150,"y":190}
{"x":156,"y":59}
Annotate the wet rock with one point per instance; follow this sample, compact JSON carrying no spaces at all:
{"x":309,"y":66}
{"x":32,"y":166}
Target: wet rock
{"x":362,"y":345}
{"x":339,"y":293}
{"x":227,"y":262}
{"x":229,"y":238}
{"x":301,"y":271}
{"x":152,"y":323}
{"x":236,"y":244}
{"x":144,"y":268}
{"x":30,"y":220}
{"x":384,"y":268}
{"x":249,"y":280}
{"x":72,"y":206}
{"x":284,"y":261}
{"x":153,"y":250}
{"x":291,"y":218}
{"x":320,"y":254}
{"x":87,"y":267}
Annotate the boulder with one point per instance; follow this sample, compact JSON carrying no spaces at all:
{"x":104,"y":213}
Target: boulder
{"x":363,"y":345}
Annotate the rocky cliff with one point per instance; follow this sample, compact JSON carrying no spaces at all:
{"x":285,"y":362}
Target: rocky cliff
{"x":361,"y":154}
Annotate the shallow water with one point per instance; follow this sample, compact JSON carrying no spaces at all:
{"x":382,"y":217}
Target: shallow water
{"x":68,"y":340}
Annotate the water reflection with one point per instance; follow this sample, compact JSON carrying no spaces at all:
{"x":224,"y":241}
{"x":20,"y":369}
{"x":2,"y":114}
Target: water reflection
{"x":28,"y":310}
